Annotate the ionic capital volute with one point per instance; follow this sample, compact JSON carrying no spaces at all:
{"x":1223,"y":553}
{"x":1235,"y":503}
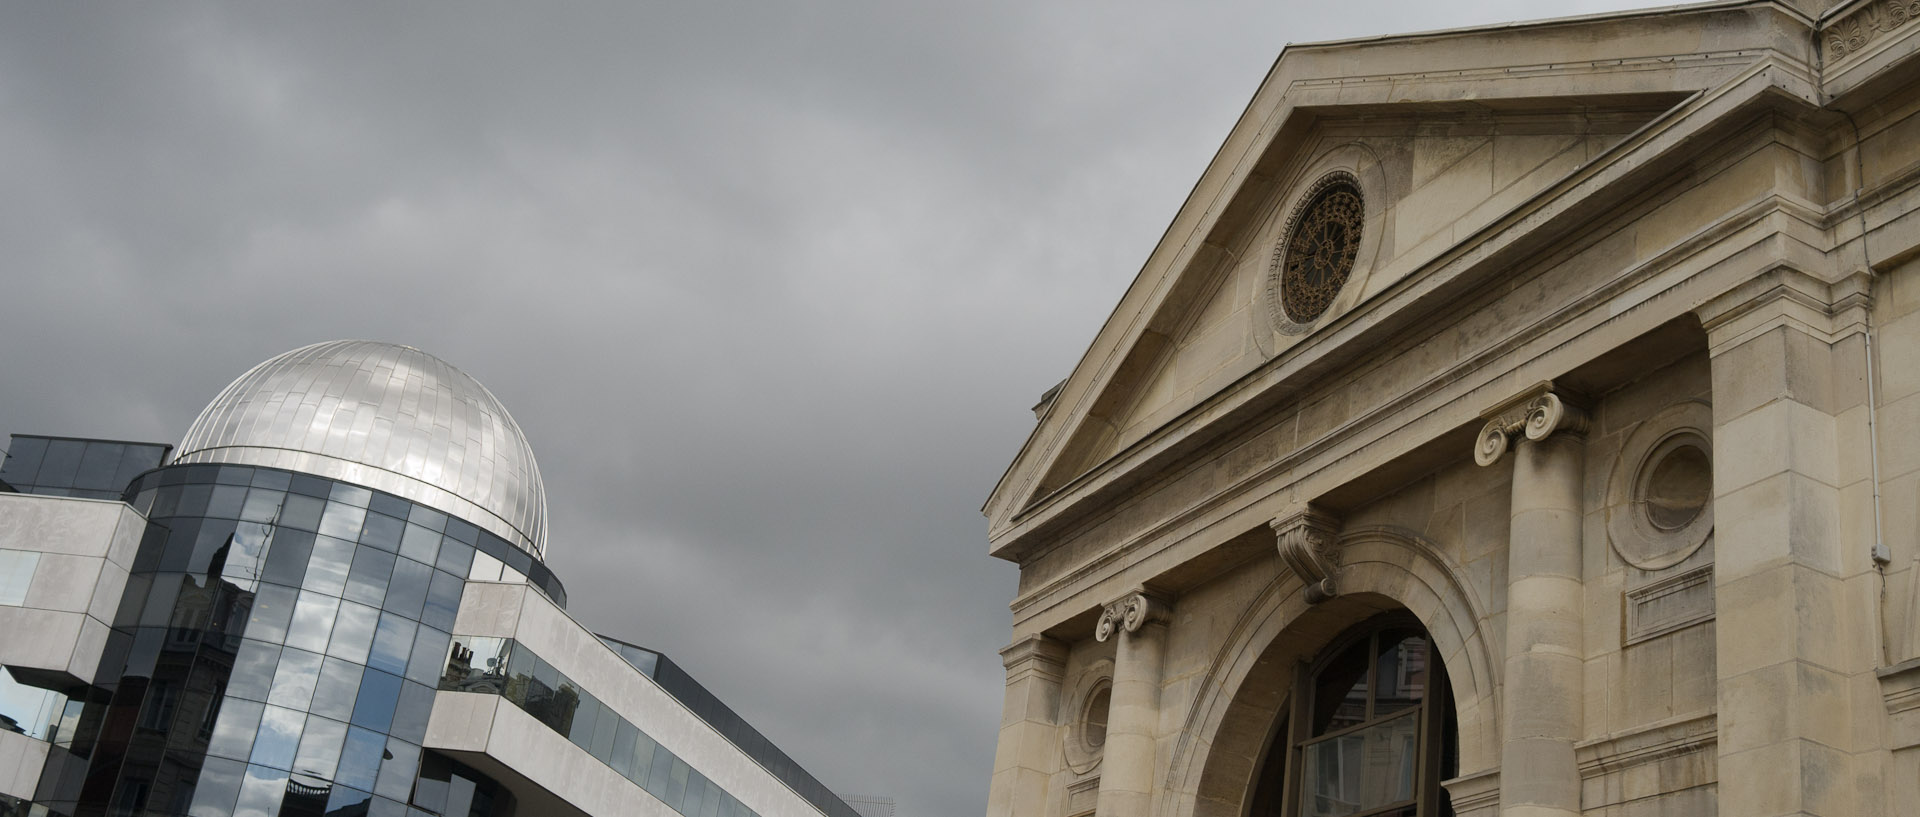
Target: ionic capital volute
{"x":1305,"y":539}
{"x":1130,"y":612}
{"x":1538,"y":413}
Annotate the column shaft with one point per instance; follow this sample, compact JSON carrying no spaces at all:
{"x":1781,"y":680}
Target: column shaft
{"x":1126,"y":777}
{"x":1543,"y":696}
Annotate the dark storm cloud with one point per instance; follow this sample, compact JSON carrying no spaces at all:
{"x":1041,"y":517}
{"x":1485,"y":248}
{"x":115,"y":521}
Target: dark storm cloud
{"x":770,"y":286}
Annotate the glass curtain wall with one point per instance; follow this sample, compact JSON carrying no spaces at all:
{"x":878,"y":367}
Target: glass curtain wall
{"x":275,"y":653}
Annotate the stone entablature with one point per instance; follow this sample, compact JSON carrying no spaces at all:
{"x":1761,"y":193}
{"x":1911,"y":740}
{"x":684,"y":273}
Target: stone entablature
{"x":1624,"y":416}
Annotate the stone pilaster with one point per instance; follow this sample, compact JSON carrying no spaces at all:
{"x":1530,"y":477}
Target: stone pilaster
{"x":1133,"y":719}
{"x":1793,"y":650}
{"x":1541,"y":704}
{"x":1028,"y":752}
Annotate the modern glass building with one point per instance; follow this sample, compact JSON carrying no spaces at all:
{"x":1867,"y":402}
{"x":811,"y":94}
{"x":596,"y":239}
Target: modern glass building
{"x":332,"y":600}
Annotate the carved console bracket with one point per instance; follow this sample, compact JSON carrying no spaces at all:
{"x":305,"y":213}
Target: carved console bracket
{"x":1538,"y":413}
{"x":1130,"y":612}
{"x":1306,"y":545}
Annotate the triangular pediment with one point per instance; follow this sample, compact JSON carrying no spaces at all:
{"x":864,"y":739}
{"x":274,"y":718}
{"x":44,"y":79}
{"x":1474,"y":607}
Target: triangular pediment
{"x":1444,"y":134}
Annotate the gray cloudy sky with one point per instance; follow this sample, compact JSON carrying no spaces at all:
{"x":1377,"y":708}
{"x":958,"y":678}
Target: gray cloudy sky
{"x":770,"y":286}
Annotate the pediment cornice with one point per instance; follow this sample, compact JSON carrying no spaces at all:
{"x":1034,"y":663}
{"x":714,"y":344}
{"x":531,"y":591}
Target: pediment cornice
{"x":1746,"y":82}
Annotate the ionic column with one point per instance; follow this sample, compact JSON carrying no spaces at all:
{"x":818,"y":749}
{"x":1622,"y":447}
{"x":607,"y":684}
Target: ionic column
{"x":1543,"y":693}
{"x":1133,"y":717}
{"x":1028,"y":751}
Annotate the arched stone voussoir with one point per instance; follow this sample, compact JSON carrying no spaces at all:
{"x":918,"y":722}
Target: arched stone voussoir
{"x":1232,"y":720}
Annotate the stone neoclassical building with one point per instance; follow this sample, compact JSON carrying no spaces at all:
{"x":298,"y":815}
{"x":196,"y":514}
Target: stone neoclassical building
{"x":1521,"y":420}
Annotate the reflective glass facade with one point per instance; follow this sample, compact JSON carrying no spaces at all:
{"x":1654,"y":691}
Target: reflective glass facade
{"x":278,"y":646}
{"x":275,"y":652}
{"x":502,"y":666}
{"x":675,"y":680}
{"x":61,"y":466}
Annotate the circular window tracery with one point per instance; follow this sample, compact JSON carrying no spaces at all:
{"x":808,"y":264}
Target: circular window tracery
{"x":1676,"y":485}
{"x":1321,"y":242}
{"x":1093,"y":722}
{"x":1660,"y":497}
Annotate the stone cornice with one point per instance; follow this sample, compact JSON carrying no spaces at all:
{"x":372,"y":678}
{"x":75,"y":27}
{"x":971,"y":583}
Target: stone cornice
{"x":1746,"y":243}
{"x":1760,"y":87}
{"x":1650,"y":64}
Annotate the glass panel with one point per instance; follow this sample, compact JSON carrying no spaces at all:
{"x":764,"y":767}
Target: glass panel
{"x":407,"y":590}
{"x":302,"y":512}
{"x":16,"y":575}
{"x":643,"y":749}
{"x":626,"y":735}
{"x":1362,"y":770}
{"x":586,"y":713}
{"x":260,"y":794}
{"x":410,"y":717}
{"x":334,"y":693}
{"x":1340,"y":691}
{"x":272,"y":611}
{"x":367,"y":582}
{"x":287,"y":561}
{"x":347,"y":802}
{"x":389,"y":504}
{"x":391,"y":643}
{"x":30,"y":711}
{"x":233,"y":733}
{"x":98,"y":466}
{"x":443,"y":602}
{"x":217,"y":788}
{"x":310,"y":485}
{"x":226,"y":501}
{"x":279,"y":737}
{"x":212,"y":544}
{"x":247,"y":554}
{"x":427,"y":518}
{"x":695,"y":794}
{"x":1400,"y":678}
{"x":659,"y":778}
{"x":379,"y":694}
{"x":271,"y":479}
{"x":263,"y":505}
{"x":23,"y":461}
{"x":62,"y":461}
{"x":312,"y":622}
{"x":350,"y":494}
{"x":253,"y":670}
{"x":420,"y":544}
{"x":429,"y":657}
{"x":327,"y":571}
{"x":398,"y":770}
{"x":353,"y":632}
{"x":604,"y":730}
{"x":455,"y":557}
{"x":193,"y":500}
{"x":360,"y":760}
{"x":476,"y":665}
{"x":293,"y":682}
{"x":342,"y":521}
{"x":383,"y":532}
{"x":320,"y":748}
{"x":485,"y":569}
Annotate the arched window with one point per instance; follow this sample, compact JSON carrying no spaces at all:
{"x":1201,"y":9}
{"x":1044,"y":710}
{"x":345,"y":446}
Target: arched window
{"x":1370,"y":731}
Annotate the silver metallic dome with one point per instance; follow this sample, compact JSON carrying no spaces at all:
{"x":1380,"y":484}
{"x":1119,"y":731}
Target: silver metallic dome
{"x":387,"y":417}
